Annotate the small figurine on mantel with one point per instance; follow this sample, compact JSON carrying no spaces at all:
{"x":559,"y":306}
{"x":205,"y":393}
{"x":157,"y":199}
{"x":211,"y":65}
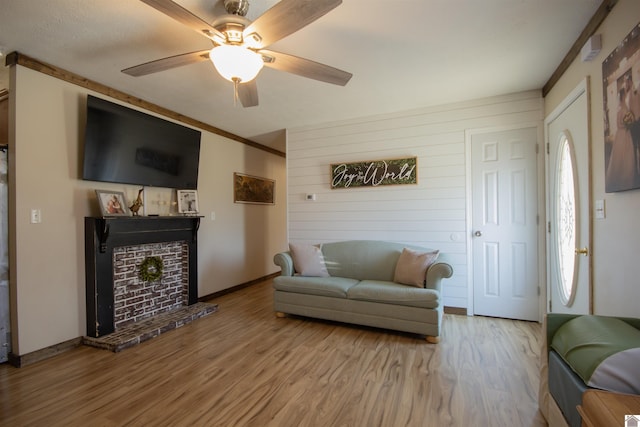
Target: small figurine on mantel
{"x":137,"y":203}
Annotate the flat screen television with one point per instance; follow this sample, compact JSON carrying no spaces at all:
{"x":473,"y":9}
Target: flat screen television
{"x":127,"y":146}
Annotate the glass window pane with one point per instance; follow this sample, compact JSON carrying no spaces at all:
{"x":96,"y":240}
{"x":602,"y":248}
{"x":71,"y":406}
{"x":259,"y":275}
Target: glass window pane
{"x":565,"y":218}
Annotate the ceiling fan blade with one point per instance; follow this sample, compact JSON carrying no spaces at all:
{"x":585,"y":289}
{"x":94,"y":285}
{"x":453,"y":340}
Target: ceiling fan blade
{"x":286,"y":17}
{"x":167,"y":63}
{"x":305,"y":67}
{"x":248,"y":93}
{"x":182,"y":15}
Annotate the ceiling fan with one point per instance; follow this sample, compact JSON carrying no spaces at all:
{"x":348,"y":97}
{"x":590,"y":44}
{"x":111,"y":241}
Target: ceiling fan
{"x":239,"y":45}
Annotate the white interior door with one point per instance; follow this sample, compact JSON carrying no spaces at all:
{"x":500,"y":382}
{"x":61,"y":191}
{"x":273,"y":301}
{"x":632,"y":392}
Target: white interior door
{"x":505,"y":223}
{"x":568,"y":212}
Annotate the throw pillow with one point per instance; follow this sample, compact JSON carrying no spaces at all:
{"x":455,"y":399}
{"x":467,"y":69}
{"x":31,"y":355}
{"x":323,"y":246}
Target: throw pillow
{"x":412,"y":266}
{"x":308,"y":260}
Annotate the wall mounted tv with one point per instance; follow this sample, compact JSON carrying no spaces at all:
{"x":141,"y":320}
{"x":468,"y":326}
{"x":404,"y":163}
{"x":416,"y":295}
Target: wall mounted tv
{"x":127,"y":146}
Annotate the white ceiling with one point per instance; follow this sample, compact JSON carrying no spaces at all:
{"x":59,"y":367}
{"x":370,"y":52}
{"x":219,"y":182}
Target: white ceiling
{"x":403,"y":54}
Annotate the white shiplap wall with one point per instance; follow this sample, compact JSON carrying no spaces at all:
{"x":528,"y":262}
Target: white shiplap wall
{"x":430,"y":214}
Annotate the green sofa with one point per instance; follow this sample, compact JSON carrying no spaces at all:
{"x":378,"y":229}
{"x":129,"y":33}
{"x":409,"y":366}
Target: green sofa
{"x":359,"y":288}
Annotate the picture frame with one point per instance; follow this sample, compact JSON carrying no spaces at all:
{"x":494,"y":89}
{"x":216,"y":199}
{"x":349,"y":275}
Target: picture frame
{"x":253,"y":189}
{"x":112,"y":203}
{"x":374,"y":173}
{"x":187,"y":201}
{"x":621,"y":99}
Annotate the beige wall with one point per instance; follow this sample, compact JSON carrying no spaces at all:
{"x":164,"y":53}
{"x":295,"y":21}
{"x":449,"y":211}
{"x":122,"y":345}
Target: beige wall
{"x":47,"y":259}
{"x":616,"y":239}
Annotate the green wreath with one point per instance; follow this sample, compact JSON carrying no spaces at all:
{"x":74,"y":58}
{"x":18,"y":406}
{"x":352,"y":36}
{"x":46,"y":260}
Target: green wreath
{"x":151,"y":269}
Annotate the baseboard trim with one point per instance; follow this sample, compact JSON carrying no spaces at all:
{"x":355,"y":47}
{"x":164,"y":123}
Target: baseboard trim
{"x":20,"y":361}
{"x":456,"y":310}
{"x":208,"y":297}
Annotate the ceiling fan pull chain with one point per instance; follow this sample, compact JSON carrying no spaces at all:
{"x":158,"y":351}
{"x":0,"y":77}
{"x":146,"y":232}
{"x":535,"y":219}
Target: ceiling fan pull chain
{"x":236,"y":82}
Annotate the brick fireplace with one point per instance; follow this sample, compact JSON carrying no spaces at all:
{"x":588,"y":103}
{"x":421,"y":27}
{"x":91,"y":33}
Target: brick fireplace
{"x":135,"y":299}
{"x":114,"y":249}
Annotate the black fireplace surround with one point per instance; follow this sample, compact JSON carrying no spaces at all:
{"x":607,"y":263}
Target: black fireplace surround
{"x":103,"y":234}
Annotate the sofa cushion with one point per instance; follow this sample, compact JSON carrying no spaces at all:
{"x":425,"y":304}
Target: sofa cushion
{"x":412,"y":266}
{"x":362,"y":259}
{"x":308,"y":260}
{"x":324,"y":286}
{"x":394,"y":293}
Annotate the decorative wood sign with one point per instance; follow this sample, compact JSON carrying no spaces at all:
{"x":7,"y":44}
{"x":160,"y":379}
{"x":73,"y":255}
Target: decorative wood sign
{"x":375,"y":173}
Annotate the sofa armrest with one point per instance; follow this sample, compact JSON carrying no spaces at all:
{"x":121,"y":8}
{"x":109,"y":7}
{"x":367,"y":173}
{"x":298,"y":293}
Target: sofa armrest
{"x":285,"y":262}
{"x":435,"y":274}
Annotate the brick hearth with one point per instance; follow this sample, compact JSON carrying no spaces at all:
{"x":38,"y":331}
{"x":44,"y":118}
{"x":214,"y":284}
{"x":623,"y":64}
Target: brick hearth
{"x":144,"y":330}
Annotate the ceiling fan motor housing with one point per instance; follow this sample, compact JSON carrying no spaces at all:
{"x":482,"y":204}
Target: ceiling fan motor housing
{"x":232,"y":26}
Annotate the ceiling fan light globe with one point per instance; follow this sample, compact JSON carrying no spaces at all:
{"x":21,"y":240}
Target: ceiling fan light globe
{"x":236,"y":62}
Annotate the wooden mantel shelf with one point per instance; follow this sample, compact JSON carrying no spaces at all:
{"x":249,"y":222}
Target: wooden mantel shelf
{"x":118,"y":231}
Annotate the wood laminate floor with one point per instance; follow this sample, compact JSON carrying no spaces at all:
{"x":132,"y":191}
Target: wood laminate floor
{"x":242,"y":366}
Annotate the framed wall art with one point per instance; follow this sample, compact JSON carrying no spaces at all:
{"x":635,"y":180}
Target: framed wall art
{"x":374,"y":173}
{"x":112,"y":203}
{"x":621,"y":98}
{"x":187,"y":201}
{"x":253,"y":189}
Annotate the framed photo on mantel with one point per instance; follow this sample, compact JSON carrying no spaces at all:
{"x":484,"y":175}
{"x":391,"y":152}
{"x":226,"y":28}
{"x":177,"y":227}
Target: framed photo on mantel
{"x":112,"y":203}
{"x":187,"y":202}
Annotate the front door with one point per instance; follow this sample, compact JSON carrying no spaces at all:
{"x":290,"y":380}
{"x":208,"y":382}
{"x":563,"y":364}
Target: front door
{"x":505,"y":223}
{"x":568,"y":213}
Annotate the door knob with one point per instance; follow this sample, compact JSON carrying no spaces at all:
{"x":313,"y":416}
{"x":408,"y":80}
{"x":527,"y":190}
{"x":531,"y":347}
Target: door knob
{"x":584,"y":251}
{"x":478,"y":233}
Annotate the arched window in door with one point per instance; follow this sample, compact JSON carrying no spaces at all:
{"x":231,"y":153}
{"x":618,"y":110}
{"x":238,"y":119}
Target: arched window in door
{"x":566,"y":218}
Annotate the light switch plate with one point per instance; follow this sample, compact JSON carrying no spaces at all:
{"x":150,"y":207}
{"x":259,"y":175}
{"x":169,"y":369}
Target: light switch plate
{"x":36,"y":216}
{"x":599,"y":208}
